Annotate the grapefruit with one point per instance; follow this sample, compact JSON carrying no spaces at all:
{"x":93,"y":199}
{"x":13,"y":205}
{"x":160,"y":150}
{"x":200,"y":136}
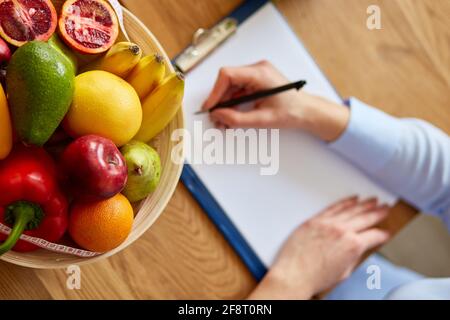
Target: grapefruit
{"x":88,"y":26}
{"x":22,"y":21}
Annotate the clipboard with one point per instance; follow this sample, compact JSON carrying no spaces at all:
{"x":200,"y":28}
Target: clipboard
{"x":204,"y":42}
{"x":303,"y":185}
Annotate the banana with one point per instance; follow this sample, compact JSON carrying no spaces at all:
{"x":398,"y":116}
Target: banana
{"x":147,"y":75}
{"x":119,"y":60}
{"x":161,"y":106}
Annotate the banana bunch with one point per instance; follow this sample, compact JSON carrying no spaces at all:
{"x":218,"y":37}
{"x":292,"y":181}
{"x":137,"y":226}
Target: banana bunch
{"x":161,"y":106}
{"x":120,"y":59}
{"x":147,"y":75}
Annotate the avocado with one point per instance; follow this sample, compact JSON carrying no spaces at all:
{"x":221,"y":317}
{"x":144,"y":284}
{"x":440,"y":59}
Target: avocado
{"x":40,"y":84}
{"x":59,"y":45}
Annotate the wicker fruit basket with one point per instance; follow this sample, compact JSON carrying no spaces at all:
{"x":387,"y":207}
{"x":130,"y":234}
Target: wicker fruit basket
{"x":148,"y":210}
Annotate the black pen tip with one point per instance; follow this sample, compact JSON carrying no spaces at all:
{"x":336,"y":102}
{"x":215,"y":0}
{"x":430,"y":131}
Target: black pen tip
{"x":300,"y":84}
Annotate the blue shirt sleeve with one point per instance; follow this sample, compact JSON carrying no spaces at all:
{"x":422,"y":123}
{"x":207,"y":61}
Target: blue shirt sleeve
{"x":409,"y":157}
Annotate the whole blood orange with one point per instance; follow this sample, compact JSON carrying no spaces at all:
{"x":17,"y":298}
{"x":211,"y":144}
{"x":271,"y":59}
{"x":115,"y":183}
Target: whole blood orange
{"x":26,"y":20}
{"x":88,"y":26}
{"x":101,"y":226}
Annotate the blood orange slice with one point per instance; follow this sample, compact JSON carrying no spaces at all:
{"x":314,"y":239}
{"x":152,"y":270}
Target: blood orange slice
{"x":88,"y":26}
{"x":26,"y":20}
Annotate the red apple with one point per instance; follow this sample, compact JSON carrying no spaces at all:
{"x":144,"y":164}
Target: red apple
{"x":5,"y":52}
{"x":94,"y":167}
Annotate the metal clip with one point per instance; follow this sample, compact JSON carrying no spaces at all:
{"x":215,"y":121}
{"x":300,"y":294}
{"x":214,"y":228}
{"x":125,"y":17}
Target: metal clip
{"x":204,"y":42}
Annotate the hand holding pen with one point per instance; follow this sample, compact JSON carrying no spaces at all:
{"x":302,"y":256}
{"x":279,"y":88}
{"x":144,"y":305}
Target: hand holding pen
{"x":262,"y":84}
{"x":293,"y":109}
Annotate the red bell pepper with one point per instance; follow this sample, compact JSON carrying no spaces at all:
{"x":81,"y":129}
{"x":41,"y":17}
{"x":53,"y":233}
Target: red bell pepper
{"x":30,"y":199}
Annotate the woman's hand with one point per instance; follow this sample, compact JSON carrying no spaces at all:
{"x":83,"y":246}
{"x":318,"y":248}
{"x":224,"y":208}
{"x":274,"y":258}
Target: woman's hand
{"x":324,"y":250}
{"x":282,"y":110}
{"x":291,"y":109}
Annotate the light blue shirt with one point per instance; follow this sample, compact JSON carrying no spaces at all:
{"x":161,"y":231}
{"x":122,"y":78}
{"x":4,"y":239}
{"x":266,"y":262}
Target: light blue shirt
{"x":409,"y":157}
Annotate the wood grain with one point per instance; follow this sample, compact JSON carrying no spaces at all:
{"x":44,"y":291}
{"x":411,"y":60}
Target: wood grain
{"x":403,"y":69}
{"x":174,"y":22}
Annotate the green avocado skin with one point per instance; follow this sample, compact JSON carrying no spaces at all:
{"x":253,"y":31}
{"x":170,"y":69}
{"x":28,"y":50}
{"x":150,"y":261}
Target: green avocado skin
{"x":40,"y":85}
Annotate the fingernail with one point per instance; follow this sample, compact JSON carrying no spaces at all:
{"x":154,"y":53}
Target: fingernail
{"x":205,"y":105}
{"x":218,"y":125}
{"x":372,"y":200}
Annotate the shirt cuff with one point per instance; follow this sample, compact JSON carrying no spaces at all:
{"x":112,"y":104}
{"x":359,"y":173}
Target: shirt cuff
{"x":371,"y":137}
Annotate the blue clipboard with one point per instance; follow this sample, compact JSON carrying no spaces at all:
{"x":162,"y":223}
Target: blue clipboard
{"x":206,"y":200}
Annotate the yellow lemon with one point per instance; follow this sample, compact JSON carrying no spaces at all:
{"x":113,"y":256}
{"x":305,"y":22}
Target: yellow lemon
{"x":105,"y":105}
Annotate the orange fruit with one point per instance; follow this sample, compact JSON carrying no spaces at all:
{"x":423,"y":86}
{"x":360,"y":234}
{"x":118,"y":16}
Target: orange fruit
{"x":23,"y":21}
{"x":101,"y":226}
{"x":88,"y":26}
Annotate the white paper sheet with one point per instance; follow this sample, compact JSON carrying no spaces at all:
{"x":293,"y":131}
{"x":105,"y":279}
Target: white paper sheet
{"x":266,"y":209}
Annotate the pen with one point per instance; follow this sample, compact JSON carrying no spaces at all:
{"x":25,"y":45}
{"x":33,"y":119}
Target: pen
{"x":255,"y":96}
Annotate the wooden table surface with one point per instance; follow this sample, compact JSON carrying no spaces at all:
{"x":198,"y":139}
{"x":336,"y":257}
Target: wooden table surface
{"x":402,"y":69}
